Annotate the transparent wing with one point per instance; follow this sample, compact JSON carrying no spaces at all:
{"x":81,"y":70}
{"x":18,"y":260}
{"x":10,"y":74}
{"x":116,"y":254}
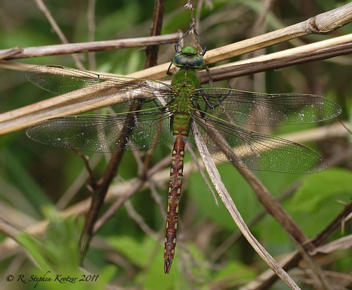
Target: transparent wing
{"x":103,"y":133}
{"x":256,"y":151}
{"x":265,"y":109}
{"x":60,"y":80}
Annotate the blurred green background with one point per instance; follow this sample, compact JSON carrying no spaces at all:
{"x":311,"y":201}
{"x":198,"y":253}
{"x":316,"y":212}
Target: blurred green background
{"x":33,"y":175}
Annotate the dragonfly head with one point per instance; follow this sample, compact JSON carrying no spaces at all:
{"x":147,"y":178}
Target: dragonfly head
{"x":188,"y":58}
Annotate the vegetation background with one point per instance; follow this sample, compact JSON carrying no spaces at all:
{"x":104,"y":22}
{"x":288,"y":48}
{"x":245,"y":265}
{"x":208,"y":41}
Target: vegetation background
{"x":124,"y":253}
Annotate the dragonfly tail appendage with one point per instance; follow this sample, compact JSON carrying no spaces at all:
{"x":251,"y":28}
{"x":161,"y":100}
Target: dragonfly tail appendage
{"x":174,"y":196}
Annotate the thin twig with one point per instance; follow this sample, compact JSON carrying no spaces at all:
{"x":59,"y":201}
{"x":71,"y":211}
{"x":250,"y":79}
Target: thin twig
{"x":116,"y":205}
{"x":8,"y":229}
{"x":27,"y":116}
{"x":8,"y":246}
{"x":79,"y":181}
{"x":201,"y":171}
{"x":57,"y":29}
{"x":62,"y":49}
{"x":235,"y":236}
{"x":316,"y":271}
{"x":151,"y":60}
{"x":264,"y":196}
{"x":267,"y":282}
{"x":8,"y":53}
{"x":101,"y":187}
{"x":139,"y":220}
{"x":158,"y":16}
{"x":82,"y":47}
{"x":258,"y":28}
{"x":230,"y":206}
{"x":323,"y":23}
{"x":157,"y":199}
{"x":86,"y":163}
{"x":91,"y":31}
{"x":307,"y":53}
{"x":136,"y":186}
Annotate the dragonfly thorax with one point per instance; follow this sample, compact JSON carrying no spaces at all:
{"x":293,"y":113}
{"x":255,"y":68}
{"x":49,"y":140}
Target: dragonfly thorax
{"x":188,"y":58}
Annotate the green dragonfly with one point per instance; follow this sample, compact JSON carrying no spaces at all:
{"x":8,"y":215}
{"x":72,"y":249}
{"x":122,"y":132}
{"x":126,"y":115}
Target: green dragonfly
{"x":175,"y":113}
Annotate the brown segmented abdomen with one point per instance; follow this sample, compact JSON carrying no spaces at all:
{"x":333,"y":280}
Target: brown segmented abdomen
{"x":174,"y":196}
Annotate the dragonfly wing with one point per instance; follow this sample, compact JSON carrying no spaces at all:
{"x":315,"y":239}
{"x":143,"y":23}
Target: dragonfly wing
{"x":103,"y":133}
{"x":265,"y":109}
{"x":256,"y":151}
{"x":61,"y":80}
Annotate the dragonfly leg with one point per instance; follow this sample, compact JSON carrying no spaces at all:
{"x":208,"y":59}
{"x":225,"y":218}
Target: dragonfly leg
{"x":168,"y":72}
{"x":222,"y":99}
{"x":192,"y":29}
{"x":206,"y":100}
{"x":211,"y":106}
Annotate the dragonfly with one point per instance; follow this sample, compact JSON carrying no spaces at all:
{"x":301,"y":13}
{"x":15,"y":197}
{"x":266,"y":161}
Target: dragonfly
{"x":157,"y":113}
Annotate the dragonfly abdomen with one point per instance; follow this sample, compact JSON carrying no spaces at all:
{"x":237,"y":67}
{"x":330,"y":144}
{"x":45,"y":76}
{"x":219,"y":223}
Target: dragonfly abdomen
{"x":174,"y":196}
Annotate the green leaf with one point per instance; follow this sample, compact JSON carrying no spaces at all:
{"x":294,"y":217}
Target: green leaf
{"x":136,"y":252}
{"x":239,"y":190}
{"x":33,"y":247}
{"x":235,"y":271}
{"x":322,"y":189}
{"x":58,"y":249}
{"x":23,"y":180}
{"x":313,"y":206}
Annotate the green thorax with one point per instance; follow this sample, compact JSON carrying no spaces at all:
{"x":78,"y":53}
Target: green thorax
{"x":184,"y":84}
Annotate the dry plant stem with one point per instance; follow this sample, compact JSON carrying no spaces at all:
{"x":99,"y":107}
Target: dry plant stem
{"x":274,"y":207}
{"x":91,"y":31}
{"x":316,"y":272}
{"x":311,"y":52}
{"x":199,"y":9}
{"x":230,"y":206}
{"x":139,"y":220}
{"x":8,"y":53}
{"x":158,"y":15}
{"x":339,"y":244}
{"x":327,"y":232}
{"x":264,"y":196}
{"x":57,"y":29}
{"x":347,"y":277}
{"x":324,"y":23}
{"x":201,"y":171}
{"x":321,"y":24}
{"x":64,"y":105}
{"x":8,"y":229}
{"x":317,"y":241}
{"x":151,"y":60}
{"x":253,"y":221}
{"x":347,"y":129}
{"x":157,"y":198}
{"x":136,"y":186}
{"x":260,"y":24}
{"x":332,"y":162}
{"x":79,"y":181}
{"x":86,"y":164}
{"x":61,"y":49}
{"x":101,"y":187}
{"x":116,"y":205}
{"x":8,"y":246}
{"x":27,"y":116}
